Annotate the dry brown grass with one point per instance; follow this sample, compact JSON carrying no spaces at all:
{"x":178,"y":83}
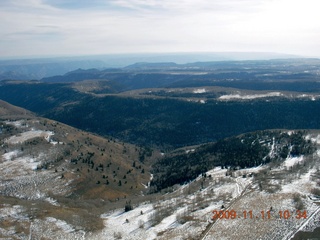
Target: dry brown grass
{"x":86,"y":218}
{"x":118,"y":156}
{"x":8,"y":111}
{"x":86,"y":199}
{"x":107,"y":152}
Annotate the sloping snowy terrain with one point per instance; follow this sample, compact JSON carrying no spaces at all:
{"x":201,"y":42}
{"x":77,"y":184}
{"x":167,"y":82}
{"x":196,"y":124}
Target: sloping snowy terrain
{"x":29,"y":209}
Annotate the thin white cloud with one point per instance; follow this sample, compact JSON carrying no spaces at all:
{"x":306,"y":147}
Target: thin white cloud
{"x":111,"y":26}
{"x":76,"y":4}
{"x":190,"y":5}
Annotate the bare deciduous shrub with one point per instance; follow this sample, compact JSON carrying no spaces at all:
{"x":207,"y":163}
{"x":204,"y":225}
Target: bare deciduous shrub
{"x":160,"y":213}
{"x":272,"y":188}
{"x":298,"y":203}
{"x":117,"y":235}
{"x":141,"y":224}
{"x":315,"y":191}
{"x":155,"y":218}
{"x":183,"y":217}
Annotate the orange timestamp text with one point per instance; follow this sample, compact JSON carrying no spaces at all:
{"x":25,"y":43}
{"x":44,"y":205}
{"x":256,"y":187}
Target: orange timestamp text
{"x":270,"y":214}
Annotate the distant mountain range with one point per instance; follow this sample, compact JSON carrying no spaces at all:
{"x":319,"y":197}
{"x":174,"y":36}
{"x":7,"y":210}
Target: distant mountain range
{"x":38,"y":68}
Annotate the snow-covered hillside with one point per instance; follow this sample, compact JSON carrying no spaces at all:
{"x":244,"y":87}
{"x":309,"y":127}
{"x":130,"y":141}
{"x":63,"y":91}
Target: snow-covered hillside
{"x":271,"y":201}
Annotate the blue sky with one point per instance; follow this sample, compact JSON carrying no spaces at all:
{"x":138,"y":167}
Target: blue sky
{"x":82,"y":27}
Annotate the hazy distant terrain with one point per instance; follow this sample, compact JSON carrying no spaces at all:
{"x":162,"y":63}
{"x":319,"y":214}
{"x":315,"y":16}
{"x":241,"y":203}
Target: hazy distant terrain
{"x":37,"y":68}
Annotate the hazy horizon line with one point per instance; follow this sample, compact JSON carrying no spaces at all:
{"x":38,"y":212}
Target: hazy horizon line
{"x":150,"y":54}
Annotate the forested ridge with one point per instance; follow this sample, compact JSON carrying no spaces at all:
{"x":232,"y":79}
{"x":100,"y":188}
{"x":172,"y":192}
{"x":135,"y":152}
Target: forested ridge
{"x":162,"y":123}
{"x":244,"y":151}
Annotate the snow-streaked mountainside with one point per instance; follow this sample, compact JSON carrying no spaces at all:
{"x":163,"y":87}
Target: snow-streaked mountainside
{"x":57,"y":182}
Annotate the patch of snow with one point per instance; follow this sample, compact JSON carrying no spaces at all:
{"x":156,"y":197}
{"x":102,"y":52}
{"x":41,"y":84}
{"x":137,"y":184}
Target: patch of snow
{"x":272,"y":150}
{"x":217,"y":172}
{"x":190,"y":150}
{"x":248,"y":97}
{"x":29,"y":162}
{"x":200,"y":90}
{"x":302,"y":185}
{"x":61,"y":224}
{"x":14,"y":211}
{"x":290,"y":133}
{"x":52,"y":201}
{"x":10,"y":155}
{"x":56,"y":143}
{"x":166,"y":223}
{"x":137,"y":226}
{"x":311,"y":97}
{"x":29,"y":135}
{"x":48,"y":135}
{"x":18,"y":124}
{"x":290,"y":161}
{"x":189,"y":73}
{"x":314,"y":139}
{"x":19,"y":164}
{"x":151,"y":177}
